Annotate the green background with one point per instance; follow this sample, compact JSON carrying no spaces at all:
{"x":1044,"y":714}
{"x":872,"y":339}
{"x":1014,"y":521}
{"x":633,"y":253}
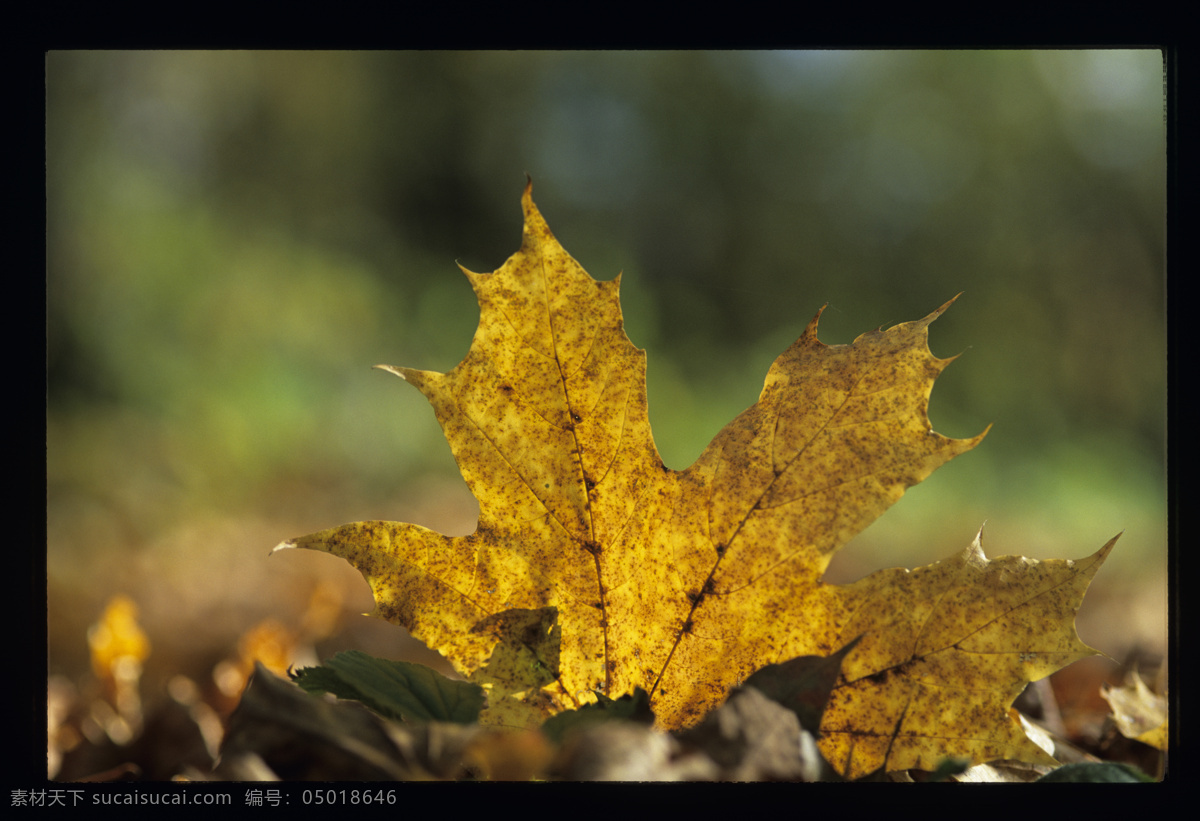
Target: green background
{"x":234,"y":238}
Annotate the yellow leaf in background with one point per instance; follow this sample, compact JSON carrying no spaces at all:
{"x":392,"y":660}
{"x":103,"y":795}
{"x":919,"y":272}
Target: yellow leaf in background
{"x":269,"y":643}
{"x":1139,"y":712}
{"x":117,"y":644}
{"x":596,"y":568}
{"x":118,"y":647}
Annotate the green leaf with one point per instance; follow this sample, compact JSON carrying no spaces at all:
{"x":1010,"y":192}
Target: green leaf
{"x":948,"y":767}
{"x":1097,"y":773}
{"x":398,"y":690}
{"x":630,"y":707}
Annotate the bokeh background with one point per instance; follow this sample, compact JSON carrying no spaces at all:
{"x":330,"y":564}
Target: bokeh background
{"x":234,"y":238}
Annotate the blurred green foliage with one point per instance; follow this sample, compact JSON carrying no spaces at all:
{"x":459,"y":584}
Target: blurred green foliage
{"x":235,"y":237}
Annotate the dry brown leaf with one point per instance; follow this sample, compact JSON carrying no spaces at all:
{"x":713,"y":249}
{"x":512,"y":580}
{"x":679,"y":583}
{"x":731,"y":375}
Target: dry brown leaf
{"x":1139,"y":712}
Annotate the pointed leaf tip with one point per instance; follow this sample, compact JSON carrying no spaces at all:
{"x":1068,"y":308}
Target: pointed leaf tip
{"x":948,"y":303}
{"x":1103,"y":552}
{"x":937,"y":312}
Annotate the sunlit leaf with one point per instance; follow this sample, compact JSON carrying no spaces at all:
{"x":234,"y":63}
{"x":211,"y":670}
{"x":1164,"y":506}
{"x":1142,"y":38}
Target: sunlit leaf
{"x":595,"y":568}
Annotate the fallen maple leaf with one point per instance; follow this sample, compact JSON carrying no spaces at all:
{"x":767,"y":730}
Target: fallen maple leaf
{"x":596,"y":568}
{"x":1139,"y":712}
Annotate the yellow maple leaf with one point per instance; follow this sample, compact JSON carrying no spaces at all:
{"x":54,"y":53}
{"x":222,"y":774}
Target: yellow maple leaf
{"x":595,"y":568}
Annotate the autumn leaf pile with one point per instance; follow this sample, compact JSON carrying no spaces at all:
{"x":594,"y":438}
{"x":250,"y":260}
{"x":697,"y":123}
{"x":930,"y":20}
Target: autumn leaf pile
{"x":597,"y":570}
